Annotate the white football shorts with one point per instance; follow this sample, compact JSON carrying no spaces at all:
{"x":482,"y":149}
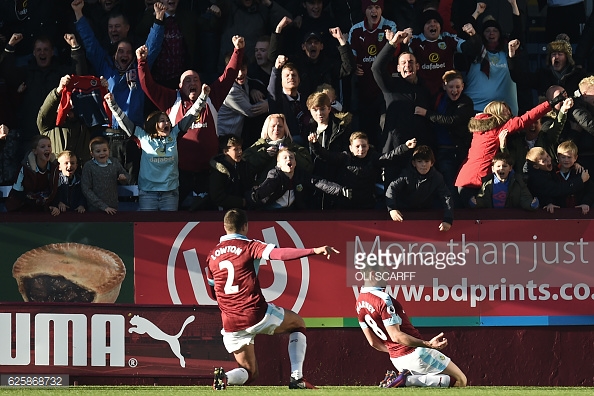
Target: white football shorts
{"x":422,"y":361}
{"x":235,"y":340}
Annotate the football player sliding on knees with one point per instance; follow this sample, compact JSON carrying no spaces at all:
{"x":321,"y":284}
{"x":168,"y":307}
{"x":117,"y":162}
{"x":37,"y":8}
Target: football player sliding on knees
{"x":233,"y":266}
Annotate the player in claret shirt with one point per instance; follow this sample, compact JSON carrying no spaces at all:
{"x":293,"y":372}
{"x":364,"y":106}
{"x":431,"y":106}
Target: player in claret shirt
{"x":388,"y":329}
{"x":233,"y":265}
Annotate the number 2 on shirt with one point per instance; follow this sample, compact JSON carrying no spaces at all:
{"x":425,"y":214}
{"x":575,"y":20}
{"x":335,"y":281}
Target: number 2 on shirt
{"x":229,"y":288}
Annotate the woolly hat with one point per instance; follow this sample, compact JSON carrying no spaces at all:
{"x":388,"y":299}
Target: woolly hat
{"x":488,"y":22}
{"x":426,"y":16}
{"x":560,"y":46}
{"x":367,"y":3}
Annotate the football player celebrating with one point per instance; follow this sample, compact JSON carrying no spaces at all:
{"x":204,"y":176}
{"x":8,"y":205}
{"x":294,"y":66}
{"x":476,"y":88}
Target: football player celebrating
{"x":233,"y":264}
{"x":388,"y":329}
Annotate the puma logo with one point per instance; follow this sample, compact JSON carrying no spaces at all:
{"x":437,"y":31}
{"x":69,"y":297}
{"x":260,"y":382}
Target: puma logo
{"x":146,"y":326}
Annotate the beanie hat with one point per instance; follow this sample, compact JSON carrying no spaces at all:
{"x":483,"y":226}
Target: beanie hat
{"x":560,"y":46}
{"x":367,"y":3}
{"x":426,"y":16}
{"x":488,"y":22}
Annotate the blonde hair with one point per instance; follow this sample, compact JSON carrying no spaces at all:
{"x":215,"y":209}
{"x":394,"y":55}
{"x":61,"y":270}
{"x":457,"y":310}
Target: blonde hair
{"x":535,"y":153}
{"x":66,"y":153}
{"x":264,"y":134}
{"x":586,"y":83}
{"x":496,"y":109}
{"x":568,"y":146}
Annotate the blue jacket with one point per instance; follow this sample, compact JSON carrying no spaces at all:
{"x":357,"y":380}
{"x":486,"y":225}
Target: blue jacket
{"x":129,"y":97}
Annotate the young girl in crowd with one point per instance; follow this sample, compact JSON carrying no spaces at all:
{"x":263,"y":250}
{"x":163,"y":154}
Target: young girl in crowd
{"x":485,"y":128}
{"x":158,"y":178}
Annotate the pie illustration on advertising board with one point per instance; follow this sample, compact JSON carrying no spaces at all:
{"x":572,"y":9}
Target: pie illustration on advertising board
{"x":69,"y":272}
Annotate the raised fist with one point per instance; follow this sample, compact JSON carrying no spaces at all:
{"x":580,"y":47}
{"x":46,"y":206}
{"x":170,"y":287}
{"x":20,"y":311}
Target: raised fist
{"x":238,"y":42}
{"x":142,"y":52}
{"x":15,"y":39}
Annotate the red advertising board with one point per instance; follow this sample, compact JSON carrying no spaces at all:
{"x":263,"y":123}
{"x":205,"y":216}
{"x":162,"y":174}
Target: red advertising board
{"x":110,"y":340}
{"x":532,"y":272}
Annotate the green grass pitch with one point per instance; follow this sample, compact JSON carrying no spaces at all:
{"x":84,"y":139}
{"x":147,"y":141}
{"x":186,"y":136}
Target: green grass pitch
{"x":276,"y":390}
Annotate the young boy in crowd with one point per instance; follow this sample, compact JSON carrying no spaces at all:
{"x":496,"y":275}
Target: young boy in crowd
{"x":335,"y":106}
{"x":283,"y":188}
{"x":358,"y":170}
{"x":504,"y":188}
{"x":37,"y":182}
{"x":418,"y":187}
{"x":101,"y":176}
{"x":70,"y":196}
{"x":568,"y":173}
{"x":230,"y":176}
{"x":543,"y":183}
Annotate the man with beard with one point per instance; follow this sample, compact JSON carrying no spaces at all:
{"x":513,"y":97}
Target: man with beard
{"x":560,"y":68}
{"x":122,"y":77}
{"x":200,"y":143}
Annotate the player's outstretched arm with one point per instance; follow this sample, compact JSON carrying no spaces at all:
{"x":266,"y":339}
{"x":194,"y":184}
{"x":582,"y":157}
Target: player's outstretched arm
{"x":325,"y":250}
{"x":293,"y":253}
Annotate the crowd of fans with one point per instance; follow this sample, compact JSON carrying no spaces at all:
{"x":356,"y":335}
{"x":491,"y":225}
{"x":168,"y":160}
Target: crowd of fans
{"x":276,"y":104}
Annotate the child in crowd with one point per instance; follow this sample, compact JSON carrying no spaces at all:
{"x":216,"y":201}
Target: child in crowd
{"x":158,"y":176}
{"x":354,"y":186}
{"x":275,"y":135}
{"x":284,"y":187}
{"x":101,"y":176}
{"x":453,"y":109}
{"x":571,"y":173}
{"x":543,"y":133}
{"x":230,"y":176}
{"x":332,"y":132}
{"x":504,"y":188}
{"x":543,"y":183}
{"x":485,"y":128}
{"x":418,"y":188}
{"x":335,"y":105}
{"x":70,"y":194}
{"x":37,"y":182}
